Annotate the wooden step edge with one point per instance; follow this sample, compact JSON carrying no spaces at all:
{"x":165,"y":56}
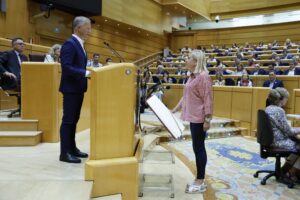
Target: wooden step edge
{"x":11,"y":120}
{"x":19,"y":133}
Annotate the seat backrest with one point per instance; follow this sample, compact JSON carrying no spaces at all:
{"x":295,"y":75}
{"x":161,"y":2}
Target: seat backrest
{"x":229,"y":81}
{"x":264,"y":129}
{"x":37,"y":57}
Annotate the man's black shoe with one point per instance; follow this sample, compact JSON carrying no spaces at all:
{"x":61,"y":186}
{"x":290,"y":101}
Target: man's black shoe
{"x":69,"y":158}
{"x":79,"y":154}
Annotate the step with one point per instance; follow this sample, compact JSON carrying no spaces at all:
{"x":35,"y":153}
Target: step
{"x":18,"y":124}
{"x":20,"y":138}
{"x":110,"y":197}
{"x":46,"y":189}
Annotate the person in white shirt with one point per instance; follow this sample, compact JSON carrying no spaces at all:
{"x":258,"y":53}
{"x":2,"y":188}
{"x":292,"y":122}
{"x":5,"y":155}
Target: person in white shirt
{"x":95,"y":61}
{"x":53,"y":54}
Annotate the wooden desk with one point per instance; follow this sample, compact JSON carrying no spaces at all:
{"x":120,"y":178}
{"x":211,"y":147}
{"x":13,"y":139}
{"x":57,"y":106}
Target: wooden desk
{"x":42,"y":100}
{"x":240,"y":103}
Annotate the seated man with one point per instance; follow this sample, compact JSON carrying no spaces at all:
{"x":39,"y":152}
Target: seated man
{"x":258,"y":70}
{"x":272,"y":68}
{"x":95,"y":61}
{"x":273,"y":82}
{"x":292,"y":70}
{"x":10,"y":65}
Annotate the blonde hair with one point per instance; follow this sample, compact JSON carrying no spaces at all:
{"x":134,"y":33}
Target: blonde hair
{"x":199,"y":56}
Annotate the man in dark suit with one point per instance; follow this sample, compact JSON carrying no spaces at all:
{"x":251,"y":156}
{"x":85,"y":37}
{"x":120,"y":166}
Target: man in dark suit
{"x":10,"y":65}
{"x":73,"y":85}
{"x":273,"y":82}
{"x":292,"y":70}
{"x":258,"y":70}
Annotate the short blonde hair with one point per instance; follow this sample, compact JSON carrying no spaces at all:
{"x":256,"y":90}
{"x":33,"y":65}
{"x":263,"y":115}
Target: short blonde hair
{"x":199,"y":56}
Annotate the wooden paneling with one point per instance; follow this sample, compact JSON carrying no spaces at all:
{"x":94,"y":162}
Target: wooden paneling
{"x":40,"y":97}
{"x":2,"y":23}
{"x":222,"y":101}
{"x":42,"y":100}
{"x":17,"y":16}
{"x":201,"y":7}
{"x":112,"y":111}
{"x":239,"y":103}
{"x":228,"y":36}
{"x":225,"y":6}
{"x":144,"y":14}
{"x":57,"y":28}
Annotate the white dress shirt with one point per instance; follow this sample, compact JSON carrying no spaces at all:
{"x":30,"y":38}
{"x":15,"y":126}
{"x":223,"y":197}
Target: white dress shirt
{"x":81,"y":41}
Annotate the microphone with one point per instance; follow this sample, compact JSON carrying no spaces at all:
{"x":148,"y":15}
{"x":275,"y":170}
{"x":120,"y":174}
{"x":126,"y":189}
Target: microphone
{"x":114,"y":52}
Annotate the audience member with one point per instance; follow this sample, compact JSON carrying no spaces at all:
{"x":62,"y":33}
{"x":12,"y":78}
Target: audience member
{"x":273,"y":82}
{"x":108,"y":61}
{"x":183,"y":78}
{"x":10,"y":65}
{"x":251,"y":62}
{"x":258,"y":70}
{"x":271,"y":67}
{"x":292,"y":70}
{"x":95,"y":61}
{"x":219,"y":81}
{"x":245,"y":81}
{"x":53,"y":54}
{"x":240,"y":70}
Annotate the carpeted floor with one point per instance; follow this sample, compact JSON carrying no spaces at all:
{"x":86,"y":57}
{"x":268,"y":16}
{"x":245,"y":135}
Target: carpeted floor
{"x":230,"y":168}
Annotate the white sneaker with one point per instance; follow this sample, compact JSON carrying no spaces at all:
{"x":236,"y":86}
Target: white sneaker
{"x":193,"y":189}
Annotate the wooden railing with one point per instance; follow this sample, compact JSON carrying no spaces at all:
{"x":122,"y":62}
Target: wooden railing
{"x":148,"y":60}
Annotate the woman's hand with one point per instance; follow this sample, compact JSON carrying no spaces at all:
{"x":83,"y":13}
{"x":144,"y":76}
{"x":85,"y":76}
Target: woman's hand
{"x":206,"y":126}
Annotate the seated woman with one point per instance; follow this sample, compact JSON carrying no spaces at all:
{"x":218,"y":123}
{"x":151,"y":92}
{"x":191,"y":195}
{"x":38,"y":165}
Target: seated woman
{"x":54,"y":54}
{"x":285,"y":136}
{"x":219,"y":80}
{"x":245,"y":81}
{"x":240,"y":70}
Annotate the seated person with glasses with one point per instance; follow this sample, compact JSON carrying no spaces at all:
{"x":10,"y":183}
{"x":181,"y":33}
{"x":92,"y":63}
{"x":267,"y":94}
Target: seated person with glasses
{"x":10,"y":65}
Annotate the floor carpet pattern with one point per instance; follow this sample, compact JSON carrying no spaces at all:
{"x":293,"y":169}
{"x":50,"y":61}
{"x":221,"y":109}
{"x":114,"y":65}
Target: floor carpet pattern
{"x":231,"y":164}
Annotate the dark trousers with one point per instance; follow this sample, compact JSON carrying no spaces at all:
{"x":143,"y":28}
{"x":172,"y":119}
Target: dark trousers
{"x":198,"y":137}
{"x":71,"y":112}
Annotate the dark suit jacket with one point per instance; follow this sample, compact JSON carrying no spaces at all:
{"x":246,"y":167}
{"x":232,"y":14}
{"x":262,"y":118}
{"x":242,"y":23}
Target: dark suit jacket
{"x":9,"y":63}
{"x":296,"y":71}
{"x":278,"y":83}
{"x":260,"y":72}
{"x":73,"y":65}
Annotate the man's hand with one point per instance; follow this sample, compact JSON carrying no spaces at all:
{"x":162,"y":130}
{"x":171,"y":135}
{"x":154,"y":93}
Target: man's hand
{"x":10,"y":75}
{"x":206,"y":126}
{"x":297,"y":136}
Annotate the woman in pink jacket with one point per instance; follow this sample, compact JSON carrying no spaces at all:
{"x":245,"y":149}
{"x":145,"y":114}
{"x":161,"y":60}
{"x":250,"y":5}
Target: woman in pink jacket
{"x":196,"y":106}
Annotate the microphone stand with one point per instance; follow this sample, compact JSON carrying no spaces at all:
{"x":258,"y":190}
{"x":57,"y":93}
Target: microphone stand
{"x":114,"y":52}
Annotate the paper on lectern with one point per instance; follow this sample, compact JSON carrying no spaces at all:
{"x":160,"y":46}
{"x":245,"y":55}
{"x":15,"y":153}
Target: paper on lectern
{"x":168,"y":119}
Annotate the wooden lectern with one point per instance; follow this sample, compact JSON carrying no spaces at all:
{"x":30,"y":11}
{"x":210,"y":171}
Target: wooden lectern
{"x":113,"y":164}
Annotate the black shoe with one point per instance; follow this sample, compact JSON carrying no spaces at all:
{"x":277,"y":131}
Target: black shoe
{"x":80,"y":154}
{"x":69,"y":158}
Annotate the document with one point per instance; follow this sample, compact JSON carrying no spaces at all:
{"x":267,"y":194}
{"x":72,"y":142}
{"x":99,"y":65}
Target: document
{"x":167,"y":118}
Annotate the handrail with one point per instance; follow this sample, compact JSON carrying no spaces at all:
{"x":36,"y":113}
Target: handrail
{"x":148,"y":59}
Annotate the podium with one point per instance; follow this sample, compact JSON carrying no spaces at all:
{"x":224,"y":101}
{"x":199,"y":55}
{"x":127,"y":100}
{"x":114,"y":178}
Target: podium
{"x":113,"y":164}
